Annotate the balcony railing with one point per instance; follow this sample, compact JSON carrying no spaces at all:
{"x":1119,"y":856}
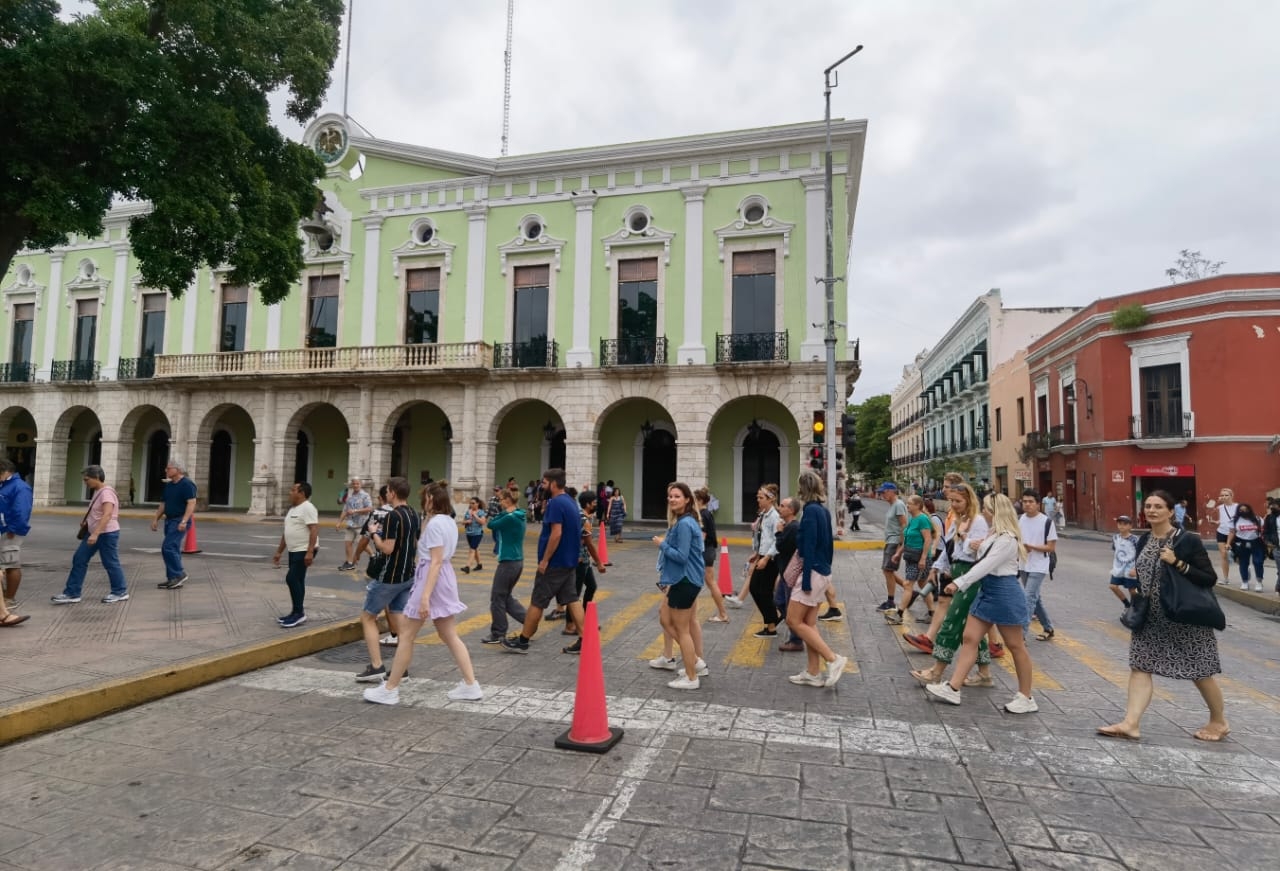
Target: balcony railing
{"x":526,"y":355}
{"x":1161,"y":428}
{"x":136,"y":368}
{"x":74,"y":370}
{"x":633,"y":352}
{"x":1061,"y":435}
{"x":16,"y":372}
{"x":303,"y":361}
{"x":749,"y":347}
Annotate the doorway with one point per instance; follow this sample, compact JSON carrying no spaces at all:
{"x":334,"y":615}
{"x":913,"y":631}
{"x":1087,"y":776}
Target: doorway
{"x":302,"y":458}
{"x":658,"y":469}
{"x":221,"y":460}
{"x":153,"y":470}
{"x":761,"y":464}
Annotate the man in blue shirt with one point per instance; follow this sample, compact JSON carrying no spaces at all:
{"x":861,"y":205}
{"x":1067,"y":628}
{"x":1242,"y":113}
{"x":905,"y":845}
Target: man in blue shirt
{"x":176,"y":508}
{"x":558,"y":545}
{"x":15,"y":523}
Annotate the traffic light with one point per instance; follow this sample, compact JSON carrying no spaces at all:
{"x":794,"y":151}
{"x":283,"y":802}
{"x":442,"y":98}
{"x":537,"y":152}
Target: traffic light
{"x":817,"y":454}
{"x":839,"y":463}
{"x":848,"y":431}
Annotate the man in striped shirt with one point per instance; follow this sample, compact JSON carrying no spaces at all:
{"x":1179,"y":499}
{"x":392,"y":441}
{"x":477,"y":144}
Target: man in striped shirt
{"x":397,"y":539}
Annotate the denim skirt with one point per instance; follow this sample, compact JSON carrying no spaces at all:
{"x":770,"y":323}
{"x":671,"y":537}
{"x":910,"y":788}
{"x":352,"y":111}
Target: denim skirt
{"x":1001,"y":601}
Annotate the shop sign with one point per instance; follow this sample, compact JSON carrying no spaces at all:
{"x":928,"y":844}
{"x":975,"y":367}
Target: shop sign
{"x":1022,"y":475}
{"x":1117,"y":476}
{"x":1162,"y":471}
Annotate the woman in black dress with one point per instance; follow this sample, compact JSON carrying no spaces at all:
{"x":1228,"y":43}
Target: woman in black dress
{"x":1161,"y":646}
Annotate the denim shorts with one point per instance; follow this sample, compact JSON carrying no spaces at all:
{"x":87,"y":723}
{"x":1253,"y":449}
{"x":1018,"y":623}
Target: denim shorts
{"x":1001,"y":601}
{"x":473,"y":541}
{"x":682,"y":595}
{"x":1127,"y":583}
{"x":378,"y":595}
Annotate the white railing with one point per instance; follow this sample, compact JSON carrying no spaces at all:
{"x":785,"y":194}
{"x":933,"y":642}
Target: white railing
{"x":375,"y":358}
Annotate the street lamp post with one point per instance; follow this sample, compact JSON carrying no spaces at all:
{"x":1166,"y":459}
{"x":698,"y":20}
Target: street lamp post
{"x":831,"y":80}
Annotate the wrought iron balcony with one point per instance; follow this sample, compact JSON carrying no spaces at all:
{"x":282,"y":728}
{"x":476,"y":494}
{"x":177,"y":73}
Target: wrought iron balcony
{"x":1165,"y":427}
{"x":751,"y":347}
{"x":1038,"y":443}
{"x":17,"y":372}
{"x":633,"y":352}
{"x":1061,"y":435}
{"x":136,"y":368}
{"x":526,"y":355}
{"x":74,"y":370}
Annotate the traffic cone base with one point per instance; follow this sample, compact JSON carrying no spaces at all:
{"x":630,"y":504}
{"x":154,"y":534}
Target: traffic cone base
{"x":725,"y":580}
{"x":590,"y":731}
{"x":189,"y":544}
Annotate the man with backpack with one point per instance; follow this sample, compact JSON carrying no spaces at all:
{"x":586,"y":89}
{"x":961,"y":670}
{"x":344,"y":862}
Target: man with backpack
{"x":395,"y":542}
{"x":1040,"y":538}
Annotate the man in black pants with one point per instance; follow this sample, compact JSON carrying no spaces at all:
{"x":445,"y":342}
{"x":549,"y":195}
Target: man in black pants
{"x":301,"y":529}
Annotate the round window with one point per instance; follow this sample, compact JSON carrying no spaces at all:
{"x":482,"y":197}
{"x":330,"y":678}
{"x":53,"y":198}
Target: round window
{"x":639,"y":222}
{"x":426,"y":233}
{"x":24,"y":274}
{"x":753,"y":214}
{"x":532,"y":230}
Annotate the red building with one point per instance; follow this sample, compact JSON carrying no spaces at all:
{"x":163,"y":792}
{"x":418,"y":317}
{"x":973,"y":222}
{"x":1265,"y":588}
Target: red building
{"x":1186,"y":402}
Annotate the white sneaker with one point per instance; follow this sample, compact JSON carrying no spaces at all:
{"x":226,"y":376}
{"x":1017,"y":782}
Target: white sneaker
{"x":381,"y":695}
{"x":733,"y":601}
{"x":1020,"y":705}
{"x":663,"y":662}
{"x":805,"y":679}
{"x":701,"y":667}
{"x":388,"y":640}
{"x":683,"y":683}
{"x":835,"y":670}
{"x":1244,"y":585}
{"x":943,"y":692}
{"x":466,"y":692}
{"x":1257,"y":588}
{"x":112,"y":598}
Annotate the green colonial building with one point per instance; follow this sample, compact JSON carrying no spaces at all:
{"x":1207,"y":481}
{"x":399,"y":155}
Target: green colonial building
{"x":642,"y":312}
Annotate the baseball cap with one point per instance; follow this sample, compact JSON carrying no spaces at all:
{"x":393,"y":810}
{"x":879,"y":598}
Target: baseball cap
{"x":1124,"y":518}
{"x":887,"y":485}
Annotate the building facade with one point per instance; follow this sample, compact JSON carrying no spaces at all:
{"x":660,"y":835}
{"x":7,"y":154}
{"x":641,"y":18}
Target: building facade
{"x":1012,"y":469}
{"x":955,"y":377}
{"x":1175,"y":398}
{"x":643,"y":312}
{"x":906,"y":434}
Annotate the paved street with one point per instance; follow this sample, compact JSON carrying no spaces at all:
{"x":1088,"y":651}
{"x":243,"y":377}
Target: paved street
{"x":288,"y":767}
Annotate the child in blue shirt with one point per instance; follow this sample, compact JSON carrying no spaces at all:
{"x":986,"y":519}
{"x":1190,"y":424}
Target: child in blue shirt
{"x":1124,"y":575}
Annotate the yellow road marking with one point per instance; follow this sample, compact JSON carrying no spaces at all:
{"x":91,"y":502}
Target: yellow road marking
{"x":841,"y":643}
{"x":1103,"y":666}
{"x":617,"y":622}
{"x":748,"y":651}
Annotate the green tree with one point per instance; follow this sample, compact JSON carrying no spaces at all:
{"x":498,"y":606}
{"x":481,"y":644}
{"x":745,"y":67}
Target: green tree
{"x":872,"y":455}
{"x":164,"y":101}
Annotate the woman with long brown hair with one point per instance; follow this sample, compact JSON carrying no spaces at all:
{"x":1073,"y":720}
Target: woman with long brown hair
{"x":680,"y":579}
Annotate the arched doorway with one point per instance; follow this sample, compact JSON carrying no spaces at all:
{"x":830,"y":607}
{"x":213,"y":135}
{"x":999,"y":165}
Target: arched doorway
{"x":761,"y":464}
{"x":657,"y":470}
{"x":18,"y":434}
{"x":76,"y":443}
{"x":529,"y":439}
{"x":156,"y":460}
{"x":302,"y":458}
{"x":421,"y":443}
{"x":556,"y":451}
{"x":221,"y":461}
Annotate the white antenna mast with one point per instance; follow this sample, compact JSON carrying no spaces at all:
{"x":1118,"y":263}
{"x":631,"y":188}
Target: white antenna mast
{"x":506,"y":80}
{"x":346,"y":73}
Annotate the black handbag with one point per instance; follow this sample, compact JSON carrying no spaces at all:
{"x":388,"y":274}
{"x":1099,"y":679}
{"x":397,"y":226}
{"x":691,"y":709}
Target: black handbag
{"x":1135,"y":616}
{"x":1189,"y":603}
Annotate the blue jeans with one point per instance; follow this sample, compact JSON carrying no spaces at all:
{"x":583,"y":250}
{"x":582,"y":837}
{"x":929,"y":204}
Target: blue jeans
{"x":107,"y":547}
{"x":171,"y":550}
{"x":1254,"y":552}
{"x":1031,"y":582}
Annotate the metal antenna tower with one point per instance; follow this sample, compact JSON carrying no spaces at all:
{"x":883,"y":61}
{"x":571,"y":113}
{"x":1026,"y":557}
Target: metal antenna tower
{"x":506,"y":80}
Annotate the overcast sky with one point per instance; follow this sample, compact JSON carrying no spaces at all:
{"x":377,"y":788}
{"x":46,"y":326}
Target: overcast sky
{"x":1059,"y":151}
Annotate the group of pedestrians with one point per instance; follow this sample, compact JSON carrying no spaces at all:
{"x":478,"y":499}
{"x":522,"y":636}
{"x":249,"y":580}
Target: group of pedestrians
{"x":1247,"y":539}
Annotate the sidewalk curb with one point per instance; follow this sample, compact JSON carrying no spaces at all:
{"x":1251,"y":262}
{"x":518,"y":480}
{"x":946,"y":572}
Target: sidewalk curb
{"x":86,"y":703}
{"x":1267,"y":604}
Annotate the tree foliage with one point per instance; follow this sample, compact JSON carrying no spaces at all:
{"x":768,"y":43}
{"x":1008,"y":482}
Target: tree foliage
{"x":1190,"y":265}
{"x":872,"y":455}
{"x":164,"y":101}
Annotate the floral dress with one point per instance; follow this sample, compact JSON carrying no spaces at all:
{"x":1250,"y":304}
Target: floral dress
{"x":1162,"y":646}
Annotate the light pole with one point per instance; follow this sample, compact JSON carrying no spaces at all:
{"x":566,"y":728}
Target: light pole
{"x":831,"y":80}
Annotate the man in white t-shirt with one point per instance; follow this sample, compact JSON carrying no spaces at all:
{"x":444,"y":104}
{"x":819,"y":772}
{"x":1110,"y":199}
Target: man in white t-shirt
{"x":1040,"y":538}
{"x":301,"y":530}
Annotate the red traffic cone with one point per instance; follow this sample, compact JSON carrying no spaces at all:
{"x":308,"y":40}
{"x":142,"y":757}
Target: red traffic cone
{"x":189,"y":544}
{"x":590,"y":731}
{"x":603,"y":548}
{"x":725,"y":580}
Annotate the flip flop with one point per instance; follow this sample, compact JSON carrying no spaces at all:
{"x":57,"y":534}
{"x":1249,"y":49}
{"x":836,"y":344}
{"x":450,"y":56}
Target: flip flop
{"x":718,"y":619}
{"x":1117,"y":732}
{"x":1205,"y":735}
{"x":14,"y":619}
{"x":925,"y":677}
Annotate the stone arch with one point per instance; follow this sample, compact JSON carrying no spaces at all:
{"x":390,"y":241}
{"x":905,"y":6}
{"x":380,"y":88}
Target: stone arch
{"x":76,"y":443}
{"x":329,"y":435}
{"x":143,"y":453}
{"x":642,"y":466}
{"x":226,"y":454}
{"x":19,"y":433}
{"x":731,"y":432}
{"x":416,"y":437}
{"x":520,"y":446}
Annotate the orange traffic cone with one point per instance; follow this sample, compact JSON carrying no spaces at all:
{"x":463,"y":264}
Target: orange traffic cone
{"x":726,"y":579}
{"x":189,"y":543}
{"x":590,"y":731}
{"x":603,"y":548}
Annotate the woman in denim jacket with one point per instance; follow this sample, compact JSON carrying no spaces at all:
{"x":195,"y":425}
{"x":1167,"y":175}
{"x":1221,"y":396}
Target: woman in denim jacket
{"x":680,"y":578}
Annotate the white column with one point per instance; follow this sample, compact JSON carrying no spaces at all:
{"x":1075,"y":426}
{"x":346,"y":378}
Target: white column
{"x":273,"y":327}
{"x":583,"y":247}
{"x":190,"y":302}
{"x":120,"y":289}
{"x":692,"y":350}
{"x":815,"y":267}
{"x":52,"y":314}
{"x":473,"y":316}
{"x":369,"y":292}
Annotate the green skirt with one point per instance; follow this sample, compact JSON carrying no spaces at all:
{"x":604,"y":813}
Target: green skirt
{"x":951,"y":632}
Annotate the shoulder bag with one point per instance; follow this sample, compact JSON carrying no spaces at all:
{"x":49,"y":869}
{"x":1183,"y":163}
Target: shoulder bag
{"x":1185,"y":602}
{"x":1135,"y":616}
{"x":794,"y":570}
{"x":83,"y":532}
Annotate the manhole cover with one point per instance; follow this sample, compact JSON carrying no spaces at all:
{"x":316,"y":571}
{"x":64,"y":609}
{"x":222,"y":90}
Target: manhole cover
{"x":347,"y":654}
